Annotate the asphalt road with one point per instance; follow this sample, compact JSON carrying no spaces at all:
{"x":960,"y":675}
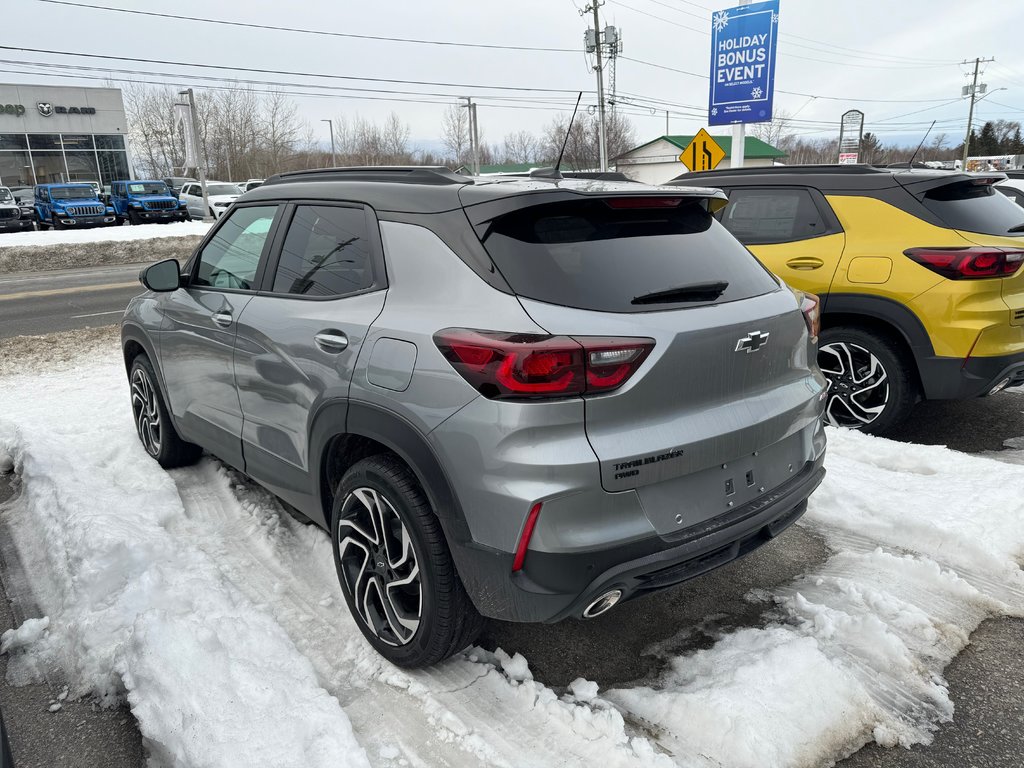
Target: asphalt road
{"x":35,"y":303}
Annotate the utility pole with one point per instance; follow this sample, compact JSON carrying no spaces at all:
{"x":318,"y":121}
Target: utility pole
{"x":334,"y":159}
{"x":474,"y":135}
{"x":666,"y":123}
{"x":594,"y":38}
{"x":200,"y":161}
{"x":973,"y":91}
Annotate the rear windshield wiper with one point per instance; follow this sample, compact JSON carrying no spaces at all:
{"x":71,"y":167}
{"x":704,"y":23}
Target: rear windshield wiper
{"x":1018,"y":228}
{"x":694,"y":292}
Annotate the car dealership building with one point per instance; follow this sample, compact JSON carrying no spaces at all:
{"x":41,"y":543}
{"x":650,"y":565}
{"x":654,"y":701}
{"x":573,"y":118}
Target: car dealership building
{"x":57,"y":134}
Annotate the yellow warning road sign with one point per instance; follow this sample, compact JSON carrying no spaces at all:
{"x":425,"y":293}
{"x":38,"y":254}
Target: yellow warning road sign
{"x":703,"y":153}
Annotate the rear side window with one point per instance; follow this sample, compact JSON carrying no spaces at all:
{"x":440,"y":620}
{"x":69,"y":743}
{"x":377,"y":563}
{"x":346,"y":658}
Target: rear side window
{"x":762,"y":216}
{"x":326,"y":253}
{"x":590,"y":255}
{"x":972,"y":207}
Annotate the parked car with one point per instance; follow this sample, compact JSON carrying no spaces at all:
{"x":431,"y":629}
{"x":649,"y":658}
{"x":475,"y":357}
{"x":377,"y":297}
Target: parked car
{"x":250,"y":185}
{"x":919,"y":272}
{"x":175,"y":183}
{"x":12,"y":217}
{"x":1013,"y":188}
{"x":518,"y":398}
{"x":63,"y":206}
{"x":219,"y":194}
{"x":146,"y":202}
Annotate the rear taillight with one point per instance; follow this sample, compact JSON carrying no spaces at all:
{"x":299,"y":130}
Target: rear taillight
{"x":516,"y":365}
{"x":810,"y":305}
{"x":969,"y":263}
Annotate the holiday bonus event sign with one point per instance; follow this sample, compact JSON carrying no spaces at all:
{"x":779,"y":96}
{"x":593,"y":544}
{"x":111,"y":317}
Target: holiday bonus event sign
{"x":743,"y":43}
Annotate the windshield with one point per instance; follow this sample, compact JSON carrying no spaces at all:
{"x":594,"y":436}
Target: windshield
{"x":73,"y":193}
{"x":972,"y":207}
{"x":5,"y":195}
{"x":222,"y":189}
{"x":596,"y":255}
{"x":148,"y":188}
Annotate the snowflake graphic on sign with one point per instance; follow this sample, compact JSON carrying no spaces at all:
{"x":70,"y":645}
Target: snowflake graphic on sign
{"x":721,"y":20}
{"x":756,"y":93}
{"x":775,"y":18}
{"x":714,"y":110}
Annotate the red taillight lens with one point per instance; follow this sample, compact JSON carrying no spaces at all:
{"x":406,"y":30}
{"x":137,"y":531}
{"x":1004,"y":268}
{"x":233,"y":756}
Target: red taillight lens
{"x":514,"y":365}
{"x":811,"y":307}
{"x":968,"y":263}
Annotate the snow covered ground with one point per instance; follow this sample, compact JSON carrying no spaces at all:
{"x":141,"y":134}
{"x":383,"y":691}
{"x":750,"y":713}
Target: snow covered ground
{"x":105,"y":234}
{"x":218,"y":616}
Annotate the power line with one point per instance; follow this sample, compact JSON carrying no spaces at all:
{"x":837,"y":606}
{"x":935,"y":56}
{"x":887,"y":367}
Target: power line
{"x":289,"y":73}
{"x":304,"y":31}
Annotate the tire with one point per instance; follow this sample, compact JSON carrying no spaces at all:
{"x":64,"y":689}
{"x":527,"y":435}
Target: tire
{"x":152,"y":422}
{"x":133,"y":218}
{"x":872,"y":382}
{"x":433,"y":616}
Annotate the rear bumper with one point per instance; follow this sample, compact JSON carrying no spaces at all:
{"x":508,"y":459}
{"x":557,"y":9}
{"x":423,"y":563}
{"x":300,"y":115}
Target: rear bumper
{"x":948,"y":378}
{"x":556,"y":586}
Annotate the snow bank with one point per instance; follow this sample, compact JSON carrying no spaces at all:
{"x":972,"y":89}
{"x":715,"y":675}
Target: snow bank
{"x":135,"y":610}
{"x":218,"y":616}
{"x":29,"y":632}
{"x":104,"y":234}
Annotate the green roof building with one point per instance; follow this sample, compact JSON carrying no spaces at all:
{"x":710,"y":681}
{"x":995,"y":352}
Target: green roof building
{"x":657,"y":161}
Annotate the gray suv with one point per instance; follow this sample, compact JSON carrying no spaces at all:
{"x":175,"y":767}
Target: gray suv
{"x":521,"y":398}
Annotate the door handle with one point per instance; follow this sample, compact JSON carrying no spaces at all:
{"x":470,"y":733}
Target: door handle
{"x":223,"y":319}
{"x":331,"y":341}
{"x":805,"y":262}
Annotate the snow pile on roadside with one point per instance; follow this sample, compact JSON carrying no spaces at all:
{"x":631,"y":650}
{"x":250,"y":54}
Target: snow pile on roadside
{"x":212,"y":679}
{"x":29,"y":632}
{"x":220,"y":615}
{"x":106,"y":234}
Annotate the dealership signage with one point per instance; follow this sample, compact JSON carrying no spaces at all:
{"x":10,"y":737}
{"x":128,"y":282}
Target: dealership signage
{"x":743,"y":42}
{"x":46,"y":109}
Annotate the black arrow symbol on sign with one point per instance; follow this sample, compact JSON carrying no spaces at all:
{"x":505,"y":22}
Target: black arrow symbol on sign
{"x":707,"y":155}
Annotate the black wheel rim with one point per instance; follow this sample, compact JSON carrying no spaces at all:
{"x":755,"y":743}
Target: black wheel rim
{"x":147,"y":411}
{"x":858,"y":385}
{"x":379,"y":568}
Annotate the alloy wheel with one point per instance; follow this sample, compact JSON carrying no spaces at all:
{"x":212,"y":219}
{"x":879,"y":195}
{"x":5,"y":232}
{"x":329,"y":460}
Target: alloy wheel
{"x":379,"y":566}
{"x":147,"y":411}
{"x":858,"y":385}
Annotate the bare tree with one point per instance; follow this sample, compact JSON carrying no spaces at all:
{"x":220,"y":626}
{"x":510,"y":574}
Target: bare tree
{"x":773,"y":132}
{"x":455,"y":133}
{"x":520,"y":147}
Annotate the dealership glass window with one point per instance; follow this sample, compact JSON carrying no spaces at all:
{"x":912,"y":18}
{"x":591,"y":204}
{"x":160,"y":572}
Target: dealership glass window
{"x":49,"y":167}
{"x":15,"y":169}
{"x":77,"y":141}
{"x":44,"y":140}
{"x":82,"y":166}
{"x":113,"y":141}
{"x":113,"y":166}
{"x":13,"y":141}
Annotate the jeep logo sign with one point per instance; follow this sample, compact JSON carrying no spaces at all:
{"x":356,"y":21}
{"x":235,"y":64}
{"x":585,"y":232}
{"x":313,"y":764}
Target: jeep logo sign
{"x":46,"y":109}
{"x":12,"y":109}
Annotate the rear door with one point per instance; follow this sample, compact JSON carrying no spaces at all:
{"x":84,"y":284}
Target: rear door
{"x":792,"y":230}
{"x":729,"y":376}
{"x":298,"y":340}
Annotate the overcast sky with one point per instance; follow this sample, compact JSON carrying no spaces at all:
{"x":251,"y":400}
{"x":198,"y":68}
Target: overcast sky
{"x":905,"y":52}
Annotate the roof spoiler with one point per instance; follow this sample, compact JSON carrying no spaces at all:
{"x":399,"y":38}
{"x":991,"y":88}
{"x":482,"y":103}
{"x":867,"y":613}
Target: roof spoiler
{"x":407,"y":174}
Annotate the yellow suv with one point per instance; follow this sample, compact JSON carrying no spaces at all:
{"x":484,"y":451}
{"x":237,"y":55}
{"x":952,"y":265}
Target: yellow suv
{"x":919,"y":273}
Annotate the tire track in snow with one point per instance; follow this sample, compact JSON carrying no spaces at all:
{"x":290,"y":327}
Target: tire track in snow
{"x":465,"y":712}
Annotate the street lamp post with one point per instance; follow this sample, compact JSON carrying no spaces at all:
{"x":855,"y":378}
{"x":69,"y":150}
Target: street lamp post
{"x":330,"y":124}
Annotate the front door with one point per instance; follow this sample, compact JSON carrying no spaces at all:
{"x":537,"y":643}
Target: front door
{"x":298,"y":340}
{"x":198,"y":336}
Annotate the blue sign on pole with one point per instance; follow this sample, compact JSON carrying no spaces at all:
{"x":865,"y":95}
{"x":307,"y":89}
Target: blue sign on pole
{"x":743,"y":43}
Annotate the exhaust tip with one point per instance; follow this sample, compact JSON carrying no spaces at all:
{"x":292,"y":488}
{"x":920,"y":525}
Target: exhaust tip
{"x":1000,"y":386}
{"x":603,"y":604}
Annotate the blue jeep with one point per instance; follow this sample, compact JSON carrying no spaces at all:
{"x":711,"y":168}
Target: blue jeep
{"x":142,"y":202}
{"x":71,"y":206}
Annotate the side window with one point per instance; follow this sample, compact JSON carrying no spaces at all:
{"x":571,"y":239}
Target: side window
{"x":187,"y":189}
{"x":231,"y":258}
{"x":326,"y":253}
{"x":783,"y":215}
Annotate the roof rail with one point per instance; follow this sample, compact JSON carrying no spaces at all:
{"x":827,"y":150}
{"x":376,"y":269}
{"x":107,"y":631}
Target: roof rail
{"x":817,"y":169}
{"x":409,"y":174}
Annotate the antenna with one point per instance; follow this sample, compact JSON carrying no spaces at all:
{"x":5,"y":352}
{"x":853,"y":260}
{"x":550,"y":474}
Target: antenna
{"x":568,"y":130}
{"x":911,"y":163}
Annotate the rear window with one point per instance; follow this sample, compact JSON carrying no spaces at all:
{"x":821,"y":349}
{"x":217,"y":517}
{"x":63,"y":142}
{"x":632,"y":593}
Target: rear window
{"x":972,"y":207}
{"x":589,"y":255}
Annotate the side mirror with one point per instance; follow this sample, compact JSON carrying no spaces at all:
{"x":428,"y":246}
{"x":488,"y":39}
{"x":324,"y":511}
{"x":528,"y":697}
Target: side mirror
{"x":162,"y":277}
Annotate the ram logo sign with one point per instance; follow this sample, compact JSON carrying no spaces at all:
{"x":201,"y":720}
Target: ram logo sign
{"x":45,"y":108}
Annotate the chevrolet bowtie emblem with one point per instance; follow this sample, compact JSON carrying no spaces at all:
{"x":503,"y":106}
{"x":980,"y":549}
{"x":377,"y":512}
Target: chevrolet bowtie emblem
{"x":752,"y":342}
